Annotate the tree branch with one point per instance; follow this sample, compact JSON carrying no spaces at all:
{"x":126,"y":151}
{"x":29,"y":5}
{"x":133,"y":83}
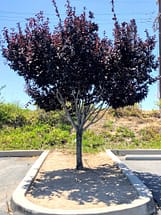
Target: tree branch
{"x":95,"y":117}
{"x":63,"y":103}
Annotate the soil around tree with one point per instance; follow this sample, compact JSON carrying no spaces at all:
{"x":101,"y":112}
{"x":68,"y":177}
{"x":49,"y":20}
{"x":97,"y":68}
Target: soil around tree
{"x":59,"y":185}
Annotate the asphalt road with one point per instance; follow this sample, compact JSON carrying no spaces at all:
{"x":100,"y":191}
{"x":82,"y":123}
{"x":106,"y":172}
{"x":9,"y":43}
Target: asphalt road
{"x":149,"y":171}
{"x":12,"y":171}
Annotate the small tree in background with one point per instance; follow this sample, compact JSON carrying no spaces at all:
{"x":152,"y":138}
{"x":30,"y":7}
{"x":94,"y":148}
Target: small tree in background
{"x":72,"y":68}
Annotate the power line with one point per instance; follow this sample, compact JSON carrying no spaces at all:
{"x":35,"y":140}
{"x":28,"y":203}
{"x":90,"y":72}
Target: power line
{"x":145,"y":17}
{"x":50,"y":14}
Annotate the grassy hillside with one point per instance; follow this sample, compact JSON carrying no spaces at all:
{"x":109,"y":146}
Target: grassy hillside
{"x":128,"y":128}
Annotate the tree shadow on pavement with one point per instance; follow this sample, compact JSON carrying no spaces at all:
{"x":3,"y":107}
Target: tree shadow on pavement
{"x":153,"y":182}
{"x":102,"y":184}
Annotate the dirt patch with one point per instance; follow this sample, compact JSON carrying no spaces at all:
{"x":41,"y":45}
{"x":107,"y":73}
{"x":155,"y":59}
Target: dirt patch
{"x":100,"y":184}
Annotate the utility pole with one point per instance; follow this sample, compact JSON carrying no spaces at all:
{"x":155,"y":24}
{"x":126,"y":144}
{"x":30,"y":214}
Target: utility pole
{"x":159,"y":20}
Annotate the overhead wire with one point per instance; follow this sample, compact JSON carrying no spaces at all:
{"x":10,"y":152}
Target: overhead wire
{"x":12,"y":16}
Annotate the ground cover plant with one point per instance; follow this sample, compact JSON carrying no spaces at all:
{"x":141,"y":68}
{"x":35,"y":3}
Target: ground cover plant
{"x":129,"y":128}
{"x":73,"y":69}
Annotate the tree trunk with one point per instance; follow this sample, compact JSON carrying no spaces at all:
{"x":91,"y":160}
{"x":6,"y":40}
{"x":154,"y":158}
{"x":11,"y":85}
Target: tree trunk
{"x":79,"y":163}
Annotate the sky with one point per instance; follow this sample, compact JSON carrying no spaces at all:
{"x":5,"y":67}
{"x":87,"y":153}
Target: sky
{"x":14,"y":11}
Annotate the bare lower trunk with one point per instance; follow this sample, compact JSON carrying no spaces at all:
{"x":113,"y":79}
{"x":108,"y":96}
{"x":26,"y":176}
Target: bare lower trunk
{"x":79,"y":163}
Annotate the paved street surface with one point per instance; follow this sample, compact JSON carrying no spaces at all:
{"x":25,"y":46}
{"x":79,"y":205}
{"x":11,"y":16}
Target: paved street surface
{"x":12,"y":171}
{"x":149,"y":171}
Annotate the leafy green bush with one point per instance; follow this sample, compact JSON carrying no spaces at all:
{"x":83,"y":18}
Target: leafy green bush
{"x":33,"y":137}
{"x":149,"y":133}
{"x":124,"y":132}
{"x":92,"y":142}
{"x":52,"y":118}
{"x":12,"y":115}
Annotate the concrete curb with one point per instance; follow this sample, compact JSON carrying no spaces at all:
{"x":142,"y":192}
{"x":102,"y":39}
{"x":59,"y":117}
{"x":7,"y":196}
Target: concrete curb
{"x":140,"y":154}
{"x":18,"y":200}
{"x":20,"y":153}
{"x":137,"y":152}
{"x":143,"y":157}
{"x":148,"y":206}
{"x":142,"y":206}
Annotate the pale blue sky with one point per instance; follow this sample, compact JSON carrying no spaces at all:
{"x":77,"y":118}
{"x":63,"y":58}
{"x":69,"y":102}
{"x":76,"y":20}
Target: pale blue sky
{"x":13,"y":11}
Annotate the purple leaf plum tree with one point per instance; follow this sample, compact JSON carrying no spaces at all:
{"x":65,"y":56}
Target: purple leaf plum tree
{"x":72,"y":68}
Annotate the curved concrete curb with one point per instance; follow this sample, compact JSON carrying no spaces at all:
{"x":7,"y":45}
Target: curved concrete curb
{"x":142,"y":206}
{"x":144,"y":193}
{"x":18,"y":200}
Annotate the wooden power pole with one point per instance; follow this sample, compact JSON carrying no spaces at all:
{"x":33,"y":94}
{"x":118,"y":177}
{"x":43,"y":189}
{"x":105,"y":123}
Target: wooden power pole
{"x":159,"y":20}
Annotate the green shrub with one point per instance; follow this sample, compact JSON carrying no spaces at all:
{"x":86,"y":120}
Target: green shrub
{"x":12,"y":115}
{"x":149,"y":133}
{"x":124,"y":132}
{"x":33,"y":137}
{"x":92,"y":142}
{"x":53,"y":118}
